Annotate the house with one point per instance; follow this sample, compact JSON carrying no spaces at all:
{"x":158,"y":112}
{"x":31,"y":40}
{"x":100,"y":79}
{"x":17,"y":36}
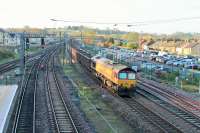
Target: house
{"x":2,"y":33}
{"x":144,"y":44}
{"x":191,"y":49}
{"x":196,"y":50}
{"x":12,"y":39}
{"x":9,"y":38}
{"x":165,"y":45}
{"x":177,"y":46}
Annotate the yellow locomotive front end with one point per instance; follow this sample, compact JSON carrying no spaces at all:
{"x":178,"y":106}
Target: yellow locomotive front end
{"x":126,"y":81}
{"x":117,"y":76}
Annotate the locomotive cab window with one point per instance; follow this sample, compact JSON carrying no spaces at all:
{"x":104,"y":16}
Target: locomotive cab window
{"x":131,"y":75}
{"x":122,"y":75}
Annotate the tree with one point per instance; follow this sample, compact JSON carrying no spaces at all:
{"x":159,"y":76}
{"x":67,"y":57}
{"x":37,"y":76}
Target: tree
{"x":132,"y":45}
{"x":88,"y":41}
{"x":131,"y":36}
{"x":120,"y":43}
{"x":111,"y":40}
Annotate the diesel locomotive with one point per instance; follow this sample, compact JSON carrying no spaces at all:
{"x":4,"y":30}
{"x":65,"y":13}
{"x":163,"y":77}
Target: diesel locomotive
{"x":118,"y":78}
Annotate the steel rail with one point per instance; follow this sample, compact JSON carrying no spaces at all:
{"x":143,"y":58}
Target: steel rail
{"x":16,"y":121}
{"x":152,"y":117}
{"x":184,"y":102}
{"x":34,"y":68}
{"x":61,"y":101}
{"x":49,"y":94}
{"x":174,"y":108}
{"x":59,"y":89}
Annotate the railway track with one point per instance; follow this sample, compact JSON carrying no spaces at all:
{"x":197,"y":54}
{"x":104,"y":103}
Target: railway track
{"x":27,"y":115}
{"x":155,"y":119}
{"x":180,"y":100}
{"x":187,"y":117}
{"x":15,"y":63}
{"x":187,"y":108}
{"x":24,"y":121}
{"x":62,"y":118}
{"x":8,"y":66}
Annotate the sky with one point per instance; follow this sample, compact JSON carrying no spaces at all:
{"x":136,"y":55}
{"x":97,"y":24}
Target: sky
{"x":37,"y":13}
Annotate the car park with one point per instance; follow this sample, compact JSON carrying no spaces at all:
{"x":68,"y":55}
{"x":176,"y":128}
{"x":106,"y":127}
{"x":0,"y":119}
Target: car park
{"x":161,"y":57}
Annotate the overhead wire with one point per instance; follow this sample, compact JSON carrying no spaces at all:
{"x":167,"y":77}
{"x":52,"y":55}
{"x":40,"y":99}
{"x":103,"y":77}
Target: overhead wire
{"x":132,"y":24}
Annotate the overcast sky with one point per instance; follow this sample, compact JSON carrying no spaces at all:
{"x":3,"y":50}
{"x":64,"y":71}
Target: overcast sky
{"x":37,"y":13}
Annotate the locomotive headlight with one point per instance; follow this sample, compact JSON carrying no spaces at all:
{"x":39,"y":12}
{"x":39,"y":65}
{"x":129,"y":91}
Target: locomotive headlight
{"x":131,"y":76}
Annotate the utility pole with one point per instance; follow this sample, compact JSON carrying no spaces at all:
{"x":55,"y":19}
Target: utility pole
{"x":22,"y":53}
{"x":82,"y":43}
{"x":63,"y":49}
{"x":199,"y":86}
{"x":70,"y":51}
{"x":64,"y":52}
{"x":81,"y":37}
{"x":60,"y":37}
{"x":3,"y":38}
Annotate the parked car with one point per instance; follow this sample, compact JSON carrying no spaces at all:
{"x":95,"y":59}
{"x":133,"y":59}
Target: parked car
{"x":166,"y":59}
{"x":164,"y":69}
{"x":170,"y":62}
{"x":193,"y":66}
{"x":152,"y":58}
{"x":178,"y":63}
{"x":158,"y":58}
{"x":149,"y":66}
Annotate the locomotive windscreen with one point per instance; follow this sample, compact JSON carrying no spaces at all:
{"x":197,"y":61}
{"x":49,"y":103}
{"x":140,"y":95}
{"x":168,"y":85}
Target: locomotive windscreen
{"x":123,"y":75}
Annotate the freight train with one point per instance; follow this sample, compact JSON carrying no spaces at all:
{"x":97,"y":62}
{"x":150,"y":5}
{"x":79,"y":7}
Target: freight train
{"x":118,"y":78}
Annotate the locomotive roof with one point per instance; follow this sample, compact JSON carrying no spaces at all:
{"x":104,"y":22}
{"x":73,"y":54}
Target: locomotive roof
{"x":109,"y":63}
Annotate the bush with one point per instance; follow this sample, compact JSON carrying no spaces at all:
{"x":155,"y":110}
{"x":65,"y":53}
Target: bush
{"x":132,"y":45}
{"x":173,"y":75}
{"x":5,"y":54}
